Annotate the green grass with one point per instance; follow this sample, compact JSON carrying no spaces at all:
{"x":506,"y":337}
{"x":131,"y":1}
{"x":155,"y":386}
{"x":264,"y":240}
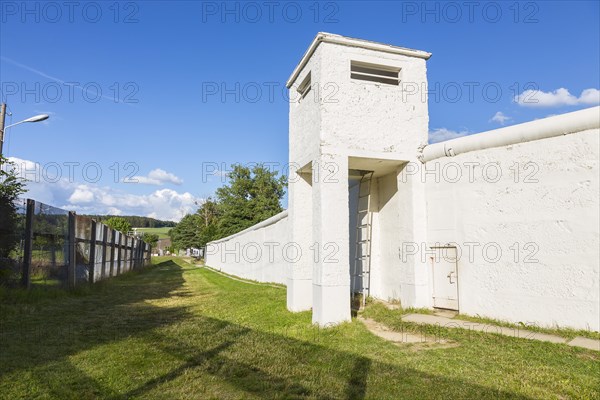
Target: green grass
{"x":163,"y":233}
{"x":567,"y":333}
{"x":178,"y":331}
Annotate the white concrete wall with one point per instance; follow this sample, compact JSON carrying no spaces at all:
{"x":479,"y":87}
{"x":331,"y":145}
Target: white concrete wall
{"x":305,"y":116}
{"x":546,"y":215}
{"x":331,"y":237}
{"x":385,"y":275}
{"x":534,"y":199}
{"x":304,"y":143}
{"x":369,"y":119}
{"x":258,"y":253}
{"x":339,"y":119}
{"x":397,"y":203}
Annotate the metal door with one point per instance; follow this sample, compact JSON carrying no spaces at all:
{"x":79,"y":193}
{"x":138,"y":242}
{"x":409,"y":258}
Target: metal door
{"x":445,"y":278}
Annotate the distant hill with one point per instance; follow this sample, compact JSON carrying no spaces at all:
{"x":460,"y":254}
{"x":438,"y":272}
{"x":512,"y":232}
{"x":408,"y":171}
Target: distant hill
{"x":163,"y":233}
{"x":137,"y":222}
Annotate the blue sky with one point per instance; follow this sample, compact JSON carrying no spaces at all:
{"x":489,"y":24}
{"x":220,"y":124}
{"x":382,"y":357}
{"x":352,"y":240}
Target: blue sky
{"x":155,"y":61}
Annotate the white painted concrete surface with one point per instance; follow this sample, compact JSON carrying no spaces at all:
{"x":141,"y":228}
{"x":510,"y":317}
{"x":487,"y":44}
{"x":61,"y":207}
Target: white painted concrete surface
{"x":526,"y":221}
{"x":341,"y":122}
{"x":258,"y":253}
{"x":520,"y":204}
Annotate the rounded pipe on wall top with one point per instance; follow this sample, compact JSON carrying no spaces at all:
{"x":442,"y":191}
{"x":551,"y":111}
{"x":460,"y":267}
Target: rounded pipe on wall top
{"x":558,"y":125}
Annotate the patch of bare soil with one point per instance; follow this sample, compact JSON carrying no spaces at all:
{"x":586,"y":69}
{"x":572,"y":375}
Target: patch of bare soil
{"x":409,"y":340}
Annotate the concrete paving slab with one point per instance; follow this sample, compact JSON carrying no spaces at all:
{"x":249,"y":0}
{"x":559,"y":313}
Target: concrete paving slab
{"x":488,"y":328}
{"x":428,"y":319}
{"x":451,"y":323}
{"x":591,"y":344}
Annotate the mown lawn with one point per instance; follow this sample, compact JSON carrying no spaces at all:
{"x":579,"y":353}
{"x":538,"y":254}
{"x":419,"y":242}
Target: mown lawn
{"x":178,"y":331}
{"x":163,"y":232}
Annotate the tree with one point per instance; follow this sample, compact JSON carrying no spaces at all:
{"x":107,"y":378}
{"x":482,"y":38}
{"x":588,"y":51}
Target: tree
{"x":252,"y":195}
{"x":186,"y":233}
{"x":209,"y":216}
{"x":119,"y":224}
{"x":268,"y":190}
{"x":150,"y":238}
{"x":11,"y":187}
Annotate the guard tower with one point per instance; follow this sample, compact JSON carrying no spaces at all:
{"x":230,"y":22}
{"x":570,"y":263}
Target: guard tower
{"x":358,"y":114}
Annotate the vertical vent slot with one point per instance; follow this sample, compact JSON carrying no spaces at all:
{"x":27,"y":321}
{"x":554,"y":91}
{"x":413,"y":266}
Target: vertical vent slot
{"x":375,"y":73}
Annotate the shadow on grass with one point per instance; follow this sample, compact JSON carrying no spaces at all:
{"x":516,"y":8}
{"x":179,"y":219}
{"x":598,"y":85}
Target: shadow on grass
{"x":220,"y":355}
{"x":243,"y":358}
{"x":54,"y":328}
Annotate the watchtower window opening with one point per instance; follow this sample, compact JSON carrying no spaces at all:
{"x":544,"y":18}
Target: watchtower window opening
{"x":375,"y":73}
{"x":304,"y":87}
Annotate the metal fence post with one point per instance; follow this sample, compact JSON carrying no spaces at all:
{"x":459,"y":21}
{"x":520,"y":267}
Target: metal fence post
{"x":125,"y":266}
{"x":130,"y":259}
{"x":131,"y":252}
{"x":104,"y":234}
{"x":26,"y":266}
{"x":138,"y":253}
{"x":92,"y":267}
{"x":119,"y":254}
{"x":132,"y":255}
{"x":127,"y":253}
{"x":112,"y":252}
{"x":136,"y":249}
{"x":71,"y":268}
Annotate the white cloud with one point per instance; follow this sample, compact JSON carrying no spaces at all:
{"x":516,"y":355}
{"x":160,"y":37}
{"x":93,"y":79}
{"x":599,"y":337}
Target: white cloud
{"x":165,"y":204}
{"x":114,"y":211}
{"x":155,"y":177}
{"x":500,"y":118}
{"x":443,"y":134}
{"x":142,"y":179}
{"x":36,"y":177}
{"x":590,"y":96}
{"x":557,"y":98}
{"x":82,"y":195}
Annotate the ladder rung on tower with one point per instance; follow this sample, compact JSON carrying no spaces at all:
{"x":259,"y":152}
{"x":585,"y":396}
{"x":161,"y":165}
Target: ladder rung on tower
{"x":362,"y":257}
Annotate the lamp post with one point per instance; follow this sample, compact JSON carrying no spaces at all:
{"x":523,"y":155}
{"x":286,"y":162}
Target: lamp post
{"x":36,"y":118}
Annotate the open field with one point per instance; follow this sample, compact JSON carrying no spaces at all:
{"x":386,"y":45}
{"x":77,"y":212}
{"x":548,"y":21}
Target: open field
{"x":179,"y":331}
{"x":163,"y":233}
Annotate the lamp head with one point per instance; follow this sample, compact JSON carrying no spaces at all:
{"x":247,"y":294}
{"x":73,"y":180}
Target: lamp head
{"x":37,"y":118}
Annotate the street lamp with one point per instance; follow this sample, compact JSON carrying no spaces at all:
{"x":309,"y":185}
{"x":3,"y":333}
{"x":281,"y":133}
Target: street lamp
{"x":36,"y":118}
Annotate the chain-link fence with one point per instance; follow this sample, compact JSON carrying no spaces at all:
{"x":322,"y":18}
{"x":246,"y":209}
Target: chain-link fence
{"x":54,"y":247}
